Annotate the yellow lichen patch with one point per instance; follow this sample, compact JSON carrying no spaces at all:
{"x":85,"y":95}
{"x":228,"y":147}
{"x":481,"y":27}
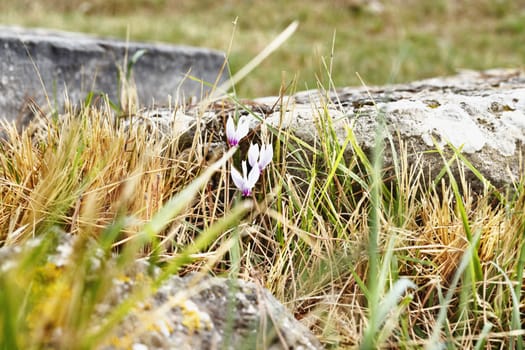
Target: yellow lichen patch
{"x":162,"y":326}
{"x":48,"y":293}
{"x":121,"y":342}
{"x":432,"y":104}
{"x":140,"y":278}
{"x":124,"y":279}
{"x":190,"y":316}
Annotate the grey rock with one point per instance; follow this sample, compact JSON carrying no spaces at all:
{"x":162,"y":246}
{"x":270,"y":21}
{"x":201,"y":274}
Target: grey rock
{"x":191,"y":312}
{"x":202,"y":312}
{"x":480,"y":113}
{"x":36,"y":62}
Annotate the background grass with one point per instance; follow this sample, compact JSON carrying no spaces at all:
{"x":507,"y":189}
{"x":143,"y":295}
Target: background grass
{"x":410,"y":39}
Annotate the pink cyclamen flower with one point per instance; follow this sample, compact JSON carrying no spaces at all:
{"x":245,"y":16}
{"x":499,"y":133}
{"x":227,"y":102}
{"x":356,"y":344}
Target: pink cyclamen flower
{"x":235,"y":134}
{"x":260,"y":159}
{"x":245,"y":182}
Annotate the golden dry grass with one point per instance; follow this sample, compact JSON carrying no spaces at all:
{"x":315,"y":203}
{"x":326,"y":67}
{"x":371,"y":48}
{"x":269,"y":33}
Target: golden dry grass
{"x":305,"y":241}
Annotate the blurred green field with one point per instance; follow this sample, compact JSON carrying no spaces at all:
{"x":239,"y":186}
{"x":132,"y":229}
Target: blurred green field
{"x":408,"y":40}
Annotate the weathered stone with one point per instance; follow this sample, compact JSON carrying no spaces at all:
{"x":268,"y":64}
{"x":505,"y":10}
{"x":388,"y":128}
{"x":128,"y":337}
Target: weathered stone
{"x":191,"y":312}
{"x":36,"y":62}
{"x":480,"y":113}
{"x":200,"y":312}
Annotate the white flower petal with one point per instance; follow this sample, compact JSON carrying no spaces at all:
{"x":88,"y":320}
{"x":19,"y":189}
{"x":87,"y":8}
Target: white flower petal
{"x":230,"y":128}
{"x":253,"y":177}
{"x":242,"y":128}
{"x":237,"y":178}
{"x":253,"y":155}
{"x":266,"y":156}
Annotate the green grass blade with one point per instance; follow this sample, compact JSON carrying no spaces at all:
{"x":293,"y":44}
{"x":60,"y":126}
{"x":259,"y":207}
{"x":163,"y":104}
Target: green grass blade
{"x":483,"y":335}
{"x":477,"y":274}
{"x":520,"y":267}
{"x":434,"y":342}
{"x":133,"y":61}
{"x":516,"y":316}
{"x":181,"y":200}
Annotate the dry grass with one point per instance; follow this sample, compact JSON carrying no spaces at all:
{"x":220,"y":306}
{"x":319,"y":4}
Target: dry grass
{"x":307,"y":239}
{"x":360,"y":259}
